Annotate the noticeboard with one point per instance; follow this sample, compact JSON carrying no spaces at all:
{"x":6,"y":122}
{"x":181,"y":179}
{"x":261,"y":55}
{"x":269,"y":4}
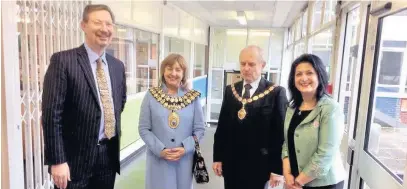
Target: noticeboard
{"x":233,"y":76}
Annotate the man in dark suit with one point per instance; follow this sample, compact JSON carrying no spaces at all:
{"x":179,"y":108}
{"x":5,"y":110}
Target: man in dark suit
{"x":249,"y":136}
{"x":83,"y":98}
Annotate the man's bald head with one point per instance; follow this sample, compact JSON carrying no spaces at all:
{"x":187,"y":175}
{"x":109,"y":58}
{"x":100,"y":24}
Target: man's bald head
{"x":251,"y":63}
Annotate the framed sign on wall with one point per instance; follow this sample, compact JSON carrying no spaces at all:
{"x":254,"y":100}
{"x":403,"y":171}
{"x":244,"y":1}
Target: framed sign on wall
{"x":233,"y":76}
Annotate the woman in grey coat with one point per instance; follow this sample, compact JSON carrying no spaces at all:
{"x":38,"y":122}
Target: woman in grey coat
{"x":170,"y":116}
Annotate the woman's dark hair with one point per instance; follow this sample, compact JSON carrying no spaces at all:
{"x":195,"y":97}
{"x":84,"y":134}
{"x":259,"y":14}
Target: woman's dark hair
{"x":319,"y":67}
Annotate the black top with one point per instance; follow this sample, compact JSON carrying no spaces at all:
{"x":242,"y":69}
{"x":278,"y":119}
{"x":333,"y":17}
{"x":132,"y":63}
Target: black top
{"x":295,"y":121}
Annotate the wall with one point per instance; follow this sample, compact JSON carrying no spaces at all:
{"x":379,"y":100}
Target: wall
{"x":4,"y":150}
{"x":156,"y":17}
{"x":389,"y":106}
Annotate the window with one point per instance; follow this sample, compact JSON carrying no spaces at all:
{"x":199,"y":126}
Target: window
{"x":199,"y":66}
{"x":291,"y":35}
{"x":299,"y":49}
{"x":144,"y":73}
{"x":390,"y":68}
{"x":138,"y":50}
{"x":122,"y":48}
{"x":322,"y":46}
{"x":349,"y":64}
{"x":179,"y":46}
{"x":304,"y":23}
{"x":276,"y":45}
{"x":298,"y":29}
{"x":316,"y":15}
{"x":387,"y":129}
{"x":329,"y":13}
{"x":276,"y":52}
{"x":235,"y":42}
{"x":260,"y":38}
{"x":153,"y":61}
{"x":218,"y":51}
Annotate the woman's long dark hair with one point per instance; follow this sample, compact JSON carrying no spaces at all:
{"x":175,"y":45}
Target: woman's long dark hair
{"x":318,"y":65}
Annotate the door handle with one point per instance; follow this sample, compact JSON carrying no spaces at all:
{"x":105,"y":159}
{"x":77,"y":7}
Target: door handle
{"x":351,"y":152}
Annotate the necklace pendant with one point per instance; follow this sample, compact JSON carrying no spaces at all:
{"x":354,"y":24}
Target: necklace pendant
{"x":241,"y":114}
{"x":173,"y":120}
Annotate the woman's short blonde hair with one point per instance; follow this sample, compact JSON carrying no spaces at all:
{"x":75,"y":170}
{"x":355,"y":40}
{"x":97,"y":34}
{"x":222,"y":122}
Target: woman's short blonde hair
{"x":170,"y":60}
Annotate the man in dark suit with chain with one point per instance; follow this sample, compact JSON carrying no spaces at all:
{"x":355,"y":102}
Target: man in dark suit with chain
{"x":83,"y":98}
{"x":249,"y":135}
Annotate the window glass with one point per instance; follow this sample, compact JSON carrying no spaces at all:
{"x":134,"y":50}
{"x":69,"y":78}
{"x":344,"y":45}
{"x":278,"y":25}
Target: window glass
{"x":235,"y":42}
{"x":260,"y":38}
{"x":329,"y":14}
{"x":321,"y":45}
{"x":316,"y":15}
{"x":298,"y":29}
{"x":388,"y":127}
{"x":304,"y":23}
{"x":143,"y":70}
{"x":138,"y":50}
{"x":199,"y":66}
{"x":390,"y":67}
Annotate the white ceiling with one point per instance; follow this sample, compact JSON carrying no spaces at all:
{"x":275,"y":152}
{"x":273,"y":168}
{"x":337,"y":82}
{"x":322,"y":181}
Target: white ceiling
{"x":260,"y":14}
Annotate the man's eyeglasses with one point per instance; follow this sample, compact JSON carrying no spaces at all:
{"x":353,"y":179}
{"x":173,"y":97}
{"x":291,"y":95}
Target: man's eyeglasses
{"x":99,"y":23}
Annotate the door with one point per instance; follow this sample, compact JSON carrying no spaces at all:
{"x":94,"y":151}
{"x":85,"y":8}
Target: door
{"x":381,"y":143}
{"x":352,"y":41}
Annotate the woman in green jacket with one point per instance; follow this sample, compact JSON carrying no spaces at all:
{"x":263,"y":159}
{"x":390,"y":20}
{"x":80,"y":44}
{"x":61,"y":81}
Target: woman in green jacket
{"x":313,"y":129}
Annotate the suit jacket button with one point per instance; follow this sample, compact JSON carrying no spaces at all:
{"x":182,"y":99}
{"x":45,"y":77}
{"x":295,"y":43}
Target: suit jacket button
{"x":172,"y":140}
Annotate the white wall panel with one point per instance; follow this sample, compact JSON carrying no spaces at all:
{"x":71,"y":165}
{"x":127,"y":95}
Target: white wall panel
{"x":186,"y":26}
{"x":170,"y":21}
{"x":156,"y":17}
{"x":121,"y":9}
{"x":200,"y":31}
{"x":147,"y":14}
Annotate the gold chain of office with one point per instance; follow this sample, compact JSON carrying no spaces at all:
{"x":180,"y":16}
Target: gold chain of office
{"x":241,"y":114}
{"x":174,"y":103}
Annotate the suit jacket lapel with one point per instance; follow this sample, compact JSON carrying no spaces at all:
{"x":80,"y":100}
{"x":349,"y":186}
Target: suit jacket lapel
{"x":311,"y":116}
{"x":261,"y":87}
{"x":314,"y":113}
{"x":288,"y":116}
{"x":239,"y":88}
{"x":83,"y":61}
{"x":111,"y":66}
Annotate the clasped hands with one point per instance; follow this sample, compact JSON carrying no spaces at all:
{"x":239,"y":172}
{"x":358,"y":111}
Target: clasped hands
{"x":173,"y":154}
{"x":289,"y":180}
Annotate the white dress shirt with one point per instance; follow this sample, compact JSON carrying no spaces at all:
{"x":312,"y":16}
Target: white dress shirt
{"x":254,"y":84}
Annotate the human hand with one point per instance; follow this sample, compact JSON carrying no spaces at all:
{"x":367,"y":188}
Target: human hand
{"x":217,"y":168}
{"x":61,"y":175}
{"x":290,"y":183}
{"x":165,"y":154}
{"x":172,"y":154}
{"x":177,"y":153}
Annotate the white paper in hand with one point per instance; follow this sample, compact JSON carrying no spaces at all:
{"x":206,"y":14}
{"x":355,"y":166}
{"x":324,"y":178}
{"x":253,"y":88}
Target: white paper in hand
{"x":267,"y":186}
{"x":280,"y":186}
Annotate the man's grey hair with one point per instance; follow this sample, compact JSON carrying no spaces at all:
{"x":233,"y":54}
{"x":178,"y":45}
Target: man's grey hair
{"x":258,"y":50}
